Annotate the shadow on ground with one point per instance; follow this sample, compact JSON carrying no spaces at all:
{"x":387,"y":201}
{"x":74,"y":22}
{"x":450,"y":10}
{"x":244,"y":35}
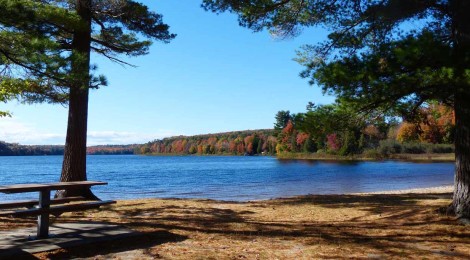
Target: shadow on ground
{"x":318,"y":226}
{"x":140,"y":242}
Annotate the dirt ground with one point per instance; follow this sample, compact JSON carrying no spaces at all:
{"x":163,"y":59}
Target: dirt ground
{"x":308,"y":227}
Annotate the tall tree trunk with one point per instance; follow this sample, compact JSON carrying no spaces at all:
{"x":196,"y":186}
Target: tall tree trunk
{"x":74,"y":164}
{"x":461,"y":31}
{"x":461,"y":199}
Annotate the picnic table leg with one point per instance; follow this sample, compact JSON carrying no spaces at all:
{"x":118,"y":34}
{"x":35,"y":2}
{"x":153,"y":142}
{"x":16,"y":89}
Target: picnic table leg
{"x":43,"y":218}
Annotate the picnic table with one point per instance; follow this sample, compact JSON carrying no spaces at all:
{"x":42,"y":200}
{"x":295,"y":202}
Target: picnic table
{"x":42,"y":207}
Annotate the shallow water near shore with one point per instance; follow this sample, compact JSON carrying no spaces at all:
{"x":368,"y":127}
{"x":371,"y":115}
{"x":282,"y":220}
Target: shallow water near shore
{"x":235,"y":178}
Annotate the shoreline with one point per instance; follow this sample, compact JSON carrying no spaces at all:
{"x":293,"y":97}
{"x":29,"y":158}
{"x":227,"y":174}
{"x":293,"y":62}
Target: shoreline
{"x":444,"y":189}
{"x":420,"y":158}
{"x":429,"y":190}
{"x":435,"y":190}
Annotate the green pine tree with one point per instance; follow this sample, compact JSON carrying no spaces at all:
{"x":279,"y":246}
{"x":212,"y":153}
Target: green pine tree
{"x":57,"y":61}
{"x":374,"y":59}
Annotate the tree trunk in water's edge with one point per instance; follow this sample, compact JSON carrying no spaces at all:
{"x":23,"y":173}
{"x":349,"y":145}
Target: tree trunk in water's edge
{"x":74,"y":164}
{"x":461,"y":200}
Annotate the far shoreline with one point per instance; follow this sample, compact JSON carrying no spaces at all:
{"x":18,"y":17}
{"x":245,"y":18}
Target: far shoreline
{"x":418,"y":158}
{"x":427,"y":157}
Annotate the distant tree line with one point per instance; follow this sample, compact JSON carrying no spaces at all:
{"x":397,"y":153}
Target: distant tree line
{"x":338,"y":129}
{"x":14,"y":149}
{"x":250,"y":142}
{"x":111,"y":149}
{"x":335,"y":129}
{"x":9,"y":149}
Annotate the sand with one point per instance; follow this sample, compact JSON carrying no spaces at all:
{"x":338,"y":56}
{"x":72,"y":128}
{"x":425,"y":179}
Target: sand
{"x":436,"y":190}
{"x":402,"y":224}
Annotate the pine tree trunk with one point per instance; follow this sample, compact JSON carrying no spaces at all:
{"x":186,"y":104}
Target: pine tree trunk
{"x":74,"y":164}
{"x":461,"y":199}
{"x":461,"y":29}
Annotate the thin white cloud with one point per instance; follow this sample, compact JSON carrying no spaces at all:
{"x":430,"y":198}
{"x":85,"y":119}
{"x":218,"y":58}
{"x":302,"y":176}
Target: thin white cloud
{"x":116,"y":137}
{"x":12,"y":130}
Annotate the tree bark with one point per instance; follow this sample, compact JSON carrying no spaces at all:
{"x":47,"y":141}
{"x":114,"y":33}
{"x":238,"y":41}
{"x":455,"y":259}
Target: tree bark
{"x":461,"y":30}
{"x":74,"y":164}
{"x":461,"y":198}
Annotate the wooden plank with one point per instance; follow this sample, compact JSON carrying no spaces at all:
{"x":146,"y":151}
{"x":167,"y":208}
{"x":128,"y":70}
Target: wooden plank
{"x":19,"y":188}
{"x":32,"y":203}
{"x":66,"y":200}
{"x":15,"y":245}
{"x":43,"y":218}
{"x":19,"y":204}
{"x":81,"y":206}
{"x":57,"y":209}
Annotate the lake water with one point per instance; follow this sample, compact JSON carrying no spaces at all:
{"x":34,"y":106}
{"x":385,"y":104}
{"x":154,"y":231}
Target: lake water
{"x":227,"y":177}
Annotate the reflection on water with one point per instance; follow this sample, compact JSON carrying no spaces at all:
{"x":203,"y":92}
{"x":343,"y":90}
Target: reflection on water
{"x":228,"y":178}
{"x":315,"y":162}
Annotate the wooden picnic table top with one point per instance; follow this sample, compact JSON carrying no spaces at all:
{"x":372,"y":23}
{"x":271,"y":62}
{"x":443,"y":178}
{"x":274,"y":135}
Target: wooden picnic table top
{"x":19,"y":188}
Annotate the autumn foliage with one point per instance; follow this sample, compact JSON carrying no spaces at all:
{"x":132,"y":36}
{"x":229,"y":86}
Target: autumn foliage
{"x":231,"y":143}
{"x":435,"y":125}
{"x":408,"y":132}
{"x":336,"y":129}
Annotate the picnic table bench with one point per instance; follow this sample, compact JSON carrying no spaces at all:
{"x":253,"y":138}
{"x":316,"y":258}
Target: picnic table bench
{"x":42,"y":207}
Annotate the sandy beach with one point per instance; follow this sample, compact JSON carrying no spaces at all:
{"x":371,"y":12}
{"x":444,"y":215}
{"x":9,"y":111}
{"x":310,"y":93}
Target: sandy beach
{"x":434,"y":190}
{"x":395,"y":224}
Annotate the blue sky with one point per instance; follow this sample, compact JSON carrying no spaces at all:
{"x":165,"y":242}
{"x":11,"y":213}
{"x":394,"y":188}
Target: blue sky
{"x":214,"y":77}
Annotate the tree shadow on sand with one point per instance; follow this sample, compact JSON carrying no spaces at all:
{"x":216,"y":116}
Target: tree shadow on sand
{"x":403,"y":225}
{"x":142,"y":242}
{"x":393,"y":225}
